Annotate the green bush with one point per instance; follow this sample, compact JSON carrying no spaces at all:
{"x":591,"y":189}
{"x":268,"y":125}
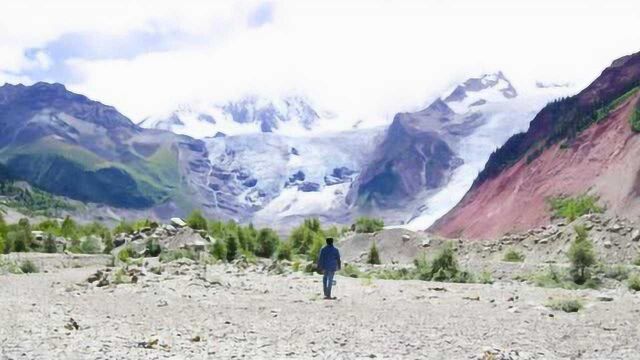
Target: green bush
{"x":513,"y":256}
{"x":634,"y":282}
{"x":50,"y":245}
{"x":443,"y":267}
{"x":91,"y":245}
{"x":566,"y":305}
{"x":316,"y":247}
{"x":581,"y":255}
{"x":196,"y":221}
{"x":28,"y":267}
{"x":153,"y":248}
{"x":572,"y":208}
{"x":373,"y":258}
{"x":2,"y":244}
{"x":125,"y":254}
{"x":485,"y":278}
{"x":232,"y":247}
{"x":285,"y":251}
{"x":266,"y":243}
{"x":368,"y":225}
{"x":107,"y":241}
{"x":69,"y":229}
{"x":219,"y":250}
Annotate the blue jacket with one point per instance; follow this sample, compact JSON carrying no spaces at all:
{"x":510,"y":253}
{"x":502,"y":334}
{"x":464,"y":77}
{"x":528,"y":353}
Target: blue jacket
{"x":329,"y":258}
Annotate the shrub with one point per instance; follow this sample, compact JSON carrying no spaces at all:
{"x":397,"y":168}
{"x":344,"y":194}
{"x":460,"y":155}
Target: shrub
{"x":373,"y":258}
{"x":485,"y":277}
{"x":69,"y":229}
{"x":443,"y":267}
{"x":247,"y":238}
{"x":119,"y":276}
{"x":219,"y":250}
{"x":566,"y":305}
{"x":177,"y":254}
{"x":153,"y":248}
{"x":28,"y":267}
{"x":232,"y":247}
{"x":513,"y":256}
{"x":634,"y":282}
{"x":107,"y":241}
{"x":50,"y":244}
{"x":368,"y":225}
{"x":301,"y":239}
{"x":90,"y":245}
{"x":266,"y":243}
{"x":18,"y":240}
{"x":125,"y":254}
{"x":571,"y":208}
{"x":581,"y":255}
{"x":316,"y":247}
{"x":285,"y":251}
{"x":196,"y":221}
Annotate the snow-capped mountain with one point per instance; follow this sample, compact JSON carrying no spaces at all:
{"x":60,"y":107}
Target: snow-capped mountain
{"x":248,"y":115}
{"x":482,"y":113}
{"x":274,"y":161}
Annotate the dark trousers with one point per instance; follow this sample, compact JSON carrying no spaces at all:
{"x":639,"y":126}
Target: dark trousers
{"x":327,"y":282}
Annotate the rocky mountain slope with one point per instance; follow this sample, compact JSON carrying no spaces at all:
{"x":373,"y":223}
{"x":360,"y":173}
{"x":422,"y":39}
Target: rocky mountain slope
{"x":429,"y":158}
{"x":69,"y":145}
{"x":585,"y":143}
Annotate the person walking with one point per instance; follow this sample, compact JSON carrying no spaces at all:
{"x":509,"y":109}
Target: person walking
{"x":328,"y":264}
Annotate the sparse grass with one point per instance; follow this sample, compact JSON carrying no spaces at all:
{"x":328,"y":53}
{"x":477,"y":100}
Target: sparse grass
{"x":566,"y":305}
{"x":634,"y":282}
{"x":616,"y":272}
{"x":173,"y":255}
{"x":554,"y":277}
{"x":485,"y":277}
{"x":571,"y":208}
{"x":350,"y":270}
{"x":7,"y":266}
{"x":120,"y":276}
{"x":28,"y":267}
{"x":513,"y":255}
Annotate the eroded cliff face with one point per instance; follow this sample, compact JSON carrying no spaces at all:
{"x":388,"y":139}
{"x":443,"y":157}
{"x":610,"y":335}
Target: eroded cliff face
{"x":582,"y":144}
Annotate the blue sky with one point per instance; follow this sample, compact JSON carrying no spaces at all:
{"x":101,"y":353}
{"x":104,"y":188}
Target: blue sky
{"x":366,"y":58}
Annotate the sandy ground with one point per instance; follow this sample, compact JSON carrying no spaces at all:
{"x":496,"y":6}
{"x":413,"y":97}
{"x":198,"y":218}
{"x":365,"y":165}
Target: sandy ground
{"x":235,"y":313}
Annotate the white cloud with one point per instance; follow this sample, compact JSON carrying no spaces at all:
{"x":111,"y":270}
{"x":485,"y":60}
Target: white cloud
{"x":365,"y":59}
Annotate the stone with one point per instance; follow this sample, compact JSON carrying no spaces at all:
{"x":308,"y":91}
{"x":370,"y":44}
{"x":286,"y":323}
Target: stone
{"x":607,"y":244}
{"x":635,"y":235}
{"x":178,"y":222}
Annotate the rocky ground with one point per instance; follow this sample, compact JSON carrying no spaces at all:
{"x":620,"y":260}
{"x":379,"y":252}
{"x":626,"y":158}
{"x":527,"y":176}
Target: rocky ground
{"x":186,"y":310}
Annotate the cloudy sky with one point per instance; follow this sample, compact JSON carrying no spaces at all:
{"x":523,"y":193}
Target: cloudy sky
{"x":365,"y":58}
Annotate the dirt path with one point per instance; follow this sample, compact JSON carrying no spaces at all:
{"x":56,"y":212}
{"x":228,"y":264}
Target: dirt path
{"x":250,"y":314}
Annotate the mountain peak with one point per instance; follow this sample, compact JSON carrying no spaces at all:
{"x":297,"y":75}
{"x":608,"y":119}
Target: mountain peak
{"x":478,"y":91}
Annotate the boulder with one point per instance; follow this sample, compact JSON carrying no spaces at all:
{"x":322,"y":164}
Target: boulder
{"x":178,"y":222}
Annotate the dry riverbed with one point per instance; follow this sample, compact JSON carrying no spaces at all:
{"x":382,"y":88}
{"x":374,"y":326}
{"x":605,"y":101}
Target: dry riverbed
{"x":188,"y":311}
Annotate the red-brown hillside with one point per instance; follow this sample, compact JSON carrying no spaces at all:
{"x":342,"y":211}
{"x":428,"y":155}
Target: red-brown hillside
{"x":581,"y":144}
